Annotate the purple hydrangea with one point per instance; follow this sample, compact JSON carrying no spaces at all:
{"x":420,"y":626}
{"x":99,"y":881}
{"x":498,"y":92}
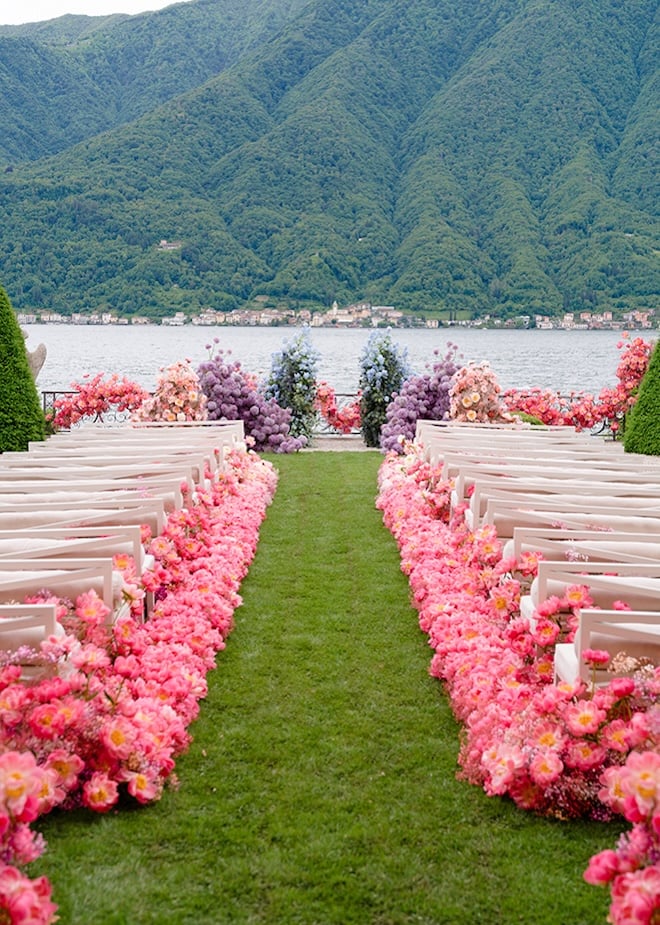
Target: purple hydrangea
{"x":233,"y":395}
{"x":421,"y":397}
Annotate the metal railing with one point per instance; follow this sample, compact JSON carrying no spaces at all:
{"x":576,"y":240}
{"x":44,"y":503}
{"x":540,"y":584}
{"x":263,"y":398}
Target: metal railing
{"x":111,"y":418}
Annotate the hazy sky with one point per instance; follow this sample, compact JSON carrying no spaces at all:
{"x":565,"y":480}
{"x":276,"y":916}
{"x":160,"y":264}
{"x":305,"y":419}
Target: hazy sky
{"x":38,"y":10}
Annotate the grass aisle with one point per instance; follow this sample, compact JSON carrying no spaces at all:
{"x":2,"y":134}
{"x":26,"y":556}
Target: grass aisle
{"x":321,"y":788}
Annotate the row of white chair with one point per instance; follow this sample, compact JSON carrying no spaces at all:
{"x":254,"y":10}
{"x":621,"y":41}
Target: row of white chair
{"x":69,"y":505}
{"x":591,"y":511}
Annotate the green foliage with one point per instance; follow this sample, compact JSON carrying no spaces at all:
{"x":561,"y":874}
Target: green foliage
{"x":21,"y":416}
{"x":446,"y":157}
{"x":383,"y":370}
{"x":69,"y":79}
{"x":528,"y":418}
{"x":642,"y":431}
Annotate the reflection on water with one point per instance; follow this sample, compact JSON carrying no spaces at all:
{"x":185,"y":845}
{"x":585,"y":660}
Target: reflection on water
{"x":561,"y":360}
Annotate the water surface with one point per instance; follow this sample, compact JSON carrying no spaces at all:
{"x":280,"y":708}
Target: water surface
{"x":562,"y":360}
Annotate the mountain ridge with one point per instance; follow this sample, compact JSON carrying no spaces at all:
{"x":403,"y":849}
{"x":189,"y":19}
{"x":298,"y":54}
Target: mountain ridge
{"x":480,"y":158}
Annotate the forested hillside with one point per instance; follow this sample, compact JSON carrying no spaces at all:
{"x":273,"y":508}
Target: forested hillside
{"x":485,"y":156}
{"x":70,"y":78}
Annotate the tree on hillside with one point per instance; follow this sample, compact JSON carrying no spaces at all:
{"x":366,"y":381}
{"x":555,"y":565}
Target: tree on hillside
{"x":21,"y":417}
{"x":643,"y":427}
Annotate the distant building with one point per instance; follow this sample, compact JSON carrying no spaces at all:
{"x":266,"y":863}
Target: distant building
{"x":52,"y":318}
{"x":208,"y":317}
{"x":175,"y":321}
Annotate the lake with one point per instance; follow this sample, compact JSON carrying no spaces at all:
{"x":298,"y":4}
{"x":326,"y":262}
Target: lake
{"x":561,"y":360}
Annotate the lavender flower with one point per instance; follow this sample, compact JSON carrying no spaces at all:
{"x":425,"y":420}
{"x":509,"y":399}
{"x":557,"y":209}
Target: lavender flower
{"x":233,"y":395}
{"x":426,"y":396}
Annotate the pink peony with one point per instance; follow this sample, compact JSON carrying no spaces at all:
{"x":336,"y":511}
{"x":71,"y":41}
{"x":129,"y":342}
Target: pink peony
{"x":595,"y":657}
{"x":27,"y":902}
{"x":584,"y":718}
{"x":636,"y":897}
{"x":100,"y":792}
{"x":545,"y":767}
{"x":603,"y":868}
{"x":20,"y":784}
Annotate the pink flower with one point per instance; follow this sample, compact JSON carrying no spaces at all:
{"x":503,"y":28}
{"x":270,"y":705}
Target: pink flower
{"x":91,"y":609}
{"x":501,"y":763}
{"x":548,"y":737}
{"x":603,"y":868}
{"x":595,"y":657}
{"x":27,"y":902}
{"x":545,"y":632}
{"x":615,"y":736}
{"x":636,"y":897}
{"x":118,"y":735}
{"x":13,"y":700}
{"x":584,"y":755}
{"x":612,"y":792}
{"x":25,"y":846}
{"x":584,"y":718}
{"x":144,"y":789}
{"x":100,"y":792}
{"x":89,"y":657}
{"x":20,"y":784}
{"x":578,"y":596}
{"x":66,"y":765}
{"x":550,"y":607}
{"x":640,"y":783}
{"x":545,"y":767}
{"x":622,"y":687}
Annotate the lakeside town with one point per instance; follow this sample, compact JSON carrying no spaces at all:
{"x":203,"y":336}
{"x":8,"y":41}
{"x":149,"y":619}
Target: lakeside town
{"x":359,"y":315}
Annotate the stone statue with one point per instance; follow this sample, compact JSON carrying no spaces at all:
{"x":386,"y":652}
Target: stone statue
{"x":36,"y":358}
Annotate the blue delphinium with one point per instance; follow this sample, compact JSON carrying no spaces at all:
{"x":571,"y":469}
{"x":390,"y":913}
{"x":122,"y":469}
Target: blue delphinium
{"x":292,"y":382}
{"x":384,"y":368}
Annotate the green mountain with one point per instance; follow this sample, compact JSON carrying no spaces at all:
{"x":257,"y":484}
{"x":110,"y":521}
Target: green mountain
{"x":479,"y":156}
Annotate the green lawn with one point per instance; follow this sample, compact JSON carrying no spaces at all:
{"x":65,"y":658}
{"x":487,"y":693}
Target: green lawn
{"x":321,"y":786}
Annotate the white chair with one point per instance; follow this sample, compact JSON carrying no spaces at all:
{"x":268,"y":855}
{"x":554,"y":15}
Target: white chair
{"x":54,"y":493}
{"x":630,"y":498}
{"x":99,"y":511}
{"x":80,"y":541}
{"x":549,"y":478}
{"x":65,"y":578}
{"x":637,"y":584}
{"x":563,"y":543}
{"x":87,"y":470}
{"x":26,"y":626}
{"x":582,"y":498}
{"x":633,"y":633}
{"x":537,"y":461}
{"x":507,"y":513}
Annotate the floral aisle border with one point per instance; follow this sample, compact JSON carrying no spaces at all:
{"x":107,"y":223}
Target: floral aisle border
{"x":556,"y":750}
{"x":114,"y":717}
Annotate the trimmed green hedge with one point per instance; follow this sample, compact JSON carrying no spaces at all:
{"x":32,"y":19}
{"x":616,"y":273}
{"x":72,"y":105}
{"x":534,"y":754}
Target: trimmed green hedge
{"x":643,"y":425}
{"x":21,"y":416}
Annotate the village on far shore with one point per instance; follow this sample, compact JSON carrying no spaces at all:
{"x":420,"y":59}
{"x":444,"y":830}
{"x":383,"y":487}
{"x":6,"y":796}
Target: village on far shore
{"x":358,"y":315}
